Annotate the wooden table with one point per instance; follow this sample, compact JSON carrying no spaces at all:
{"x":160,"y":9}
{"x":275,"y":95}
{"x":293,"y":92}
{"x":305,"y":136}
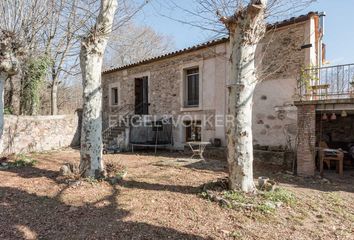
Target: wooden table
{"x":198,"y":148}
{"x":338,"y":156}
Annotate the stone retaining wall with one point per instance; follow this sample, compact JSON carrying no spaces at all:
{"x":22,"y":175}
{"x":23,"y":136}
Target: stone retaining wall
{"x":40,"y":133}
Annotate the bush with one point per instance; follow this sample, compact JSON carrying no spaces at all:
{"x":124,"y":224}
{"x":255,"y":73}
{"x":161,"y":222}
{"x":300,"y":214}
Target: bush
{"x":23,"y":161}
{"x":280,"y":195}
{"x":235,"y":196}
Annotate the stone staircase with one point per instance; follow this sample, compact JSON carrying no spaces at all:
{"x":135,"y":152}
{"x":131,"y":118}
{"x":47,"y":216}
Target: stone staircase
{"x":114,"y":135}
{"x":111,"y":135}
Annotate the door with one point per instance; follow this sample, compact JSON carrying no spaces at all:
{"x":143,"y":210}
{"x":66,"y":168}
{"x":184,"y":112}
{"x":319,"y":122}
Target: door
{"x":141,"y":96}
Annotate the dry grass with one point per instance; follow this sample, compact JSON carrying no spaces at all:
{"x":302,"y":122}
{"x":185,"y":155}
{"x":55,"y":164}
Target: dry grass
{"x":160,"y":199}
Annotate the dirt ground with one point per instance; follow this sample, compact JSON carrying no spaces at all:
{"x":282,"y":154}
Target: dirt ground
{"x":159,"y":199}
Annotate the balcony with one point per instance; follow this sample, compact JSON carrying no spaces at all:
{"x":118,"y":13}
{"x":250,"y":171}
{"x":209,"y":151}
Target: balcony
{"x":327,"y":83}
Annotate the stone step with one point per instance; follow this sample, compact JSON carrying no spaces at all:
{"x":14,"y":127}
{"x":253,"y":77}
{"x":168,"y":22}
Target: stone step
{"x":118,"y":128}
{"x":116,"y":131}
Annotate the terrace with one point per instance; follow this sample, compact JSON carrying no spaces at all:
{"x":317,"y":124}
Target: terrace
{"x":325,"y":117}
{"x":327,"y":83}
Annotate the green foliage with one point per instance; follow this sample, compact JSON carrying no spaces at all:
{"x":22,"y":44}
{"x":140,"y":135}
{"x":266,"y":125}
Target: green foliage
{"x":264,"y":202}
{"x":8,"y":110}
{"x":265,"y":208}
{"x":204,"y":195}
{"x":235,"y":196}
{"x":36,"y":71}
{"x":280,"y":195}
{"x":91,"y":180}
{"x":23,"y":161}
{"x":308,"y":75}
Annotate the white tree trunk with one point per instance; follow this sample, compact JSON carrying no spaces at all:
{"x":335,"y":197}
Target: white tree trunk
{"x":246,"y":28}
{"x":91,"y":58}
{"x":240,"y":141}
{"x":54,"y":98}
{"x":2,"y":83}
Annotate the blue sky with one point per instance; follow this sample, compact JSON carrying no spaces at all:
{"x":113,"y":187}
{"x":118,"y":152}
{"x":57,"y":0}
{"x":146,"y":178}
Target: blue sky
{"x":339,"y":35}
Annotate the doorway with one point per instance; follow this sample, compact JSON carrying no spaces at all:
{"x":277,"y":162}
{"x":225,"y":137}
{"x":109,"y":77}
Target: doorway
{"x":141,"y":96}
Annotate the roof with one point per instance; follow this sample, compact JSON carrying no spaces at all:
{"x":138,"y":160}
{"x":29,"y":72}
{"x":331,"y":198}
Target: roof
{"x":211,"y":43}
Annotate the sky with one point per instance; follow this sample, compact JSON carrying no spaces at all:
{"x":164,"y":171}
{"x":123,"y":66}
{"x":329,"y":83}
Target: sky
{"x":339,"y":27}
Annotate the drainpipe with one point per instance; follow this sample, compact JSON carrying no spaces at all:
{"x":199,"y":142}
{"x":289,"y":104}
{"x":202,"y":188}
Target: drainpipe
{"x":321,"y":31}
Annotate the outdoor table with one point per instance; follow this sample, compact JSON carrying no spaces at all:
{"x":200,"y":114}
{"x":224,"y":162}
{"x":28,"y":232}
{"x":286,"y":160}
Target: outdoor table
{"x":198,"y":148}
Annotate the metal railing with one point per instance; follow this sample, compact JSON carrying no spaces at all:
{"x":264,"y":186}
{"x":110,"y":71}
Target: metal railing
{"x":123,"y":112}
{"x":325,"y":83}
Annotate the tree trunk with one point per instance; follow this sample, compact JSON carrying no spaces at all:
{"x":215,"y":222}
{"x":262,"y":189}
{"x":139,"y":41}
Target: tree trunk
{"x":8,"y":67}
{"x":246,"y":29}
{"x":91,"y":58}
{"x":22,"y":107}
{"x":54,"y":98}
{"x":2,"y":83}
{"x":10,"y":94}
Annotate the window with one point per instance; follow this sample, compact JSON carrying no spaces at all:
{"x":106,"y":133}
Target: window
{"x":193,"y":131}
{"x":192,"y":87}
{"x":114,"y":96}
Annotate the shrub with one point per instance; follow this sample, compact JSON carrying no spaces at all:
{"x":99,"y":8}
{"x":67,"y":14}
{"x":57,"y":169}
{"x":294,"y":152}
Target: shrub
{"x":23,"y":161}
{"x":280,"y":195}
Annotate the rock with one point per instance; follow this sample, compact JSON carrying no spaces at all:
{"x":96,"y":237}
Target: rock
{"x":278,"y":204}
{"x":262,"y":181}
{"x":325,"y":181}
{"x":65,"y":170}
{"x":217,"y":198}
{"x":224,"y":203}
{"x":75,"y":184}
{"x":289,"y":173}
{"x":270,"y":205}
{"x":72,"y":209}
{"x":246,"y":206}
{"x":68,"y":169}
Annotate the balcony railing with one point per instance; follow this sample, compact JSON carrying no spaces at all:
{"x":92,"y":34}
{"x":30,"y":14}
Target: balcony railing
{"x":325,"y":83}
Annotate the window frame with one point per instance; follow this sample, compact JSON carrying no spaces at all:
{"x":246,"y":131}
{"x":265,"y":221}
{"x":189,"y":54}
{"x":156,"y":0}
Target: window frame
{"x":192,"y":126}
{"x":182,"y":79}
{"x":114,"y":98}
{"x":187,"y":85}
{"x":115,"y":85}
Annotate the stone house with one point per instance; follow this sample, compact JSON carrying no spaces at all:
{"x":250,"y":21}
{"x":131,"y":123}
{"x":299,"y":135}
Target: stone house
{"x":194,"y":82}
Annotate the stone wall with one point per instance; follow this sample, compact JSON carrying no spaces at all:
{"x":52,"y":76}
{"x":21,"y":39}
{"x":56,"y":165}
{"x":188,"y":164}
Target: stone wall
{"x":274,"y":114}
{"x":40,"y":133}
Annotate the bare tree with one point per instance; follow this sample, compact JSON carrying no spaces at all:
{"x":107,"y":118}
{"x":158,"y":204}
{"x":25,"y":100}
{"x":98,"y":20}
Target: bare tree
{"x":246,"y":27}
{"x":20,"y":22}
{"x":9,"y":51}
{"x":25,"y":19}
{"x":67,"y":23}
{"x":62,"y":43}
{"x":91,"y":58}
{"x":132,"y":43}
